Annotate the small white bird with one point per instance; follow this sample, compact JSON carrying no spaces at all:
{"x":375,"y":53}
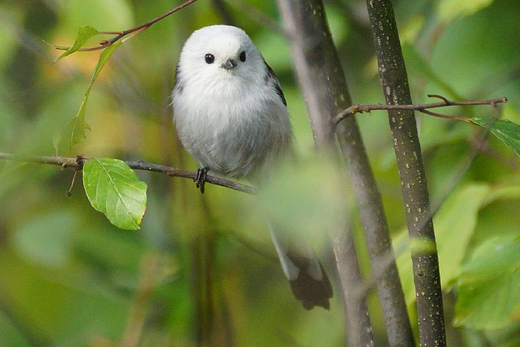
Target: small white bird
{"x":231,"y":116}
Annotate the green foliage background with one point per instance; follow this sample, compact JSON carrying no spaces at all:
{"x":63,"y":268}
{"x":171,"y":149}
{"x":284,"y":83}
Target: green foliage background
{"x":203,"y":267}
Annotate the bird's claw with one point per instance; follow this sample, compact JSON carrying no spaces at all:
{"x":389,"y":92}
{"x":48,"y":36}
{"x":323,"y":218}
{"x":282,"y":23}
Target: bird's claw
{"x":200,"y":178}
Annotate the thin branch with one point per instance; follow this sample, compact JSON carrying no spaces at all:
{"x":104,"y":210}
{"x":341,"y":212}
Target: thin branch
{"x":49,"y":160}
{"x":78,"y":162}
{"x":421,"y":107}
{"x":317,"y":64}
{"x":357,"y":320}
{"x":69,"y":192}
{"x":394,"y":82}
{"x":136,"y":30}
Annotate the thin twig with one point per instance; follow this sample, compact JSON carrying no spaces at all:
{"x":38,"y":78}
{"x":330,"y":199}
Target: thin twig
{"x":121,"y":34}
{"x":64,"y":162}
{"x":78,"y":162}
{"x":421,"y":107}
{"x":69,"y":192}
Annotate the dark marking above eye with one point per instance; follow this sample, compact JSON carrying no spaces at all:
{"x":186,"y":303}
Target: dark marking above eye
{"x":243,"y":56}
{"x":209,"y":58}
{"x":270,"y":77}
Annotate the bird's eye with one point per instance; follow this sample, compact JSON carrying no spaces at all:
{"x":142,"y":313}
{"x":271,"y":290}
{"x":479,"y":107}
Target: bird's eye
{"x":209,"y":58}
{"x":243,"y":56}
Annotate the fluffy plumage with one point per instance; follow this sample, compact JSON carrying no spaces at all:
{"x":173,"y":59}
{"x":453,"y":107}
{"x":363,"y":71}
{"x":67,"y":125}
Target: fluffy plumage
{"x":233,"y":120}
{"x":231,"y":116}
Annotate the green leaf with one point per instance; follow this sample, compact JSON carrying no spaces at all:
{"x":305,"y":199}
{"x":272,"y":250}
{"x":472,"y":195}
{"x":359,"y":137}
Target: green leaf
{"x":114,"y":189}
{"x":450,"y":9}
{"x":103,"y":58}
{"x":74,"y":131}
{"x":84,"y":33}
{"x":454,"y":225}
{"x":489,"y":286}
{"x":503,"y":129}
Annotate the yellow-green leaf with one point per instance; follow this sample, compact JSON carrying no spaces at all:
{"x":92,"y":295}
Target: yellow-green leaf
{"x":448,"y":10}
{"x":84,"y":33}
{"x":74,"y":132}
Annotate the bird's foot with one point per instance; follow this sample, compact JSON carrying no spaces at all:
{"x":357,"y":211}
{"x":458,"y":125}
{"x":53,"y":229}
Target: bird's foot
{"x":200,"y":178}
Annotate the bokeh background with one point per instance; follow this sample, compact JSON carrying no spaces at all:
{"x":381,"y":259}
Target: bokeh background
{"x":202,"y":268}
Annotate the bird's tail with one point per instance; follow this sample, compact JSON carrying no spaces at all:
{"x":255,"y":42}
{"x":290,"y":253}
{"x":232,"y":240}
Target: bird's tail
{"x":309,"y":281}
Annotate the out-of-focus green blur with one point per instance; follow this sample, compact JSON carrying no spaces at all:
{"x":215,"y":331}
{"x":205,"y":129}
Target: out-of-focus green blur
{"x":203,"y":267}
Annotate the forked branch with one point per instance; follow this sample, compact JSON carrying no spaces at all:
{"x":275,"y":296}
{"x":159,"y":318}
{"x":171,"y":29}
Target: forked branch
{"x":424,"y":108}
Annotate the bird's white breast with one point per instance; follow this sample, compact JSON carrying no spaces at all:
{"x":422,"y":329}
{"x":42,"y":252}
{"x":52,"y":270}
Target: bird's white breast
{"x":234,"y":128}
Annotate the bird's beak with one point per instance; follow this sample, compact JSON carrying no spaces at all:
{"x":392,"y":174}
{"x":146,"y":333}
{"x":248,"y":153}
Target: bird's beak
{"x":229,"y":64}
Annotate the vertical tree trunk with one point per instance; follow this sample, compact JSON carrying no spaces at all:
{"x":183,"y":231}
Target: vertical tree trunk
{"x":394,"y":80}
{"x":326,"y":94}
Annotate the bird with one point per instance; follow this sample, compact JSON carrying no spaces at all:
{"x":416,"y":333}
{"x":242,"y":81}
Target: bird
{"x":231,"y":115}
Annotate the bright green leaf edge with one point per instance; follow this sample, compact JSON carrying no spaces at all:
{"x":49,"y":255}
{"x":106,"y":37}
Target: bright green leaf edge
{"x":114,"y":189}
{"x":84,"y":33}
{"x":503,"y":129}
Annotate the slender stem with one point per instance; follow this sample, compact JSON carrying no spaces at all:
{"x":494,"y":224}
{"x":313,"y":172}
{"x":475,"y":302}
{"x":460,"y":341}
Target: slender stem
{"x":77,"y":163}
{"x":121,"y":34}
{"x":394,"y":80}
{"x":357,"y":320}
{"x":421,"y":107}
